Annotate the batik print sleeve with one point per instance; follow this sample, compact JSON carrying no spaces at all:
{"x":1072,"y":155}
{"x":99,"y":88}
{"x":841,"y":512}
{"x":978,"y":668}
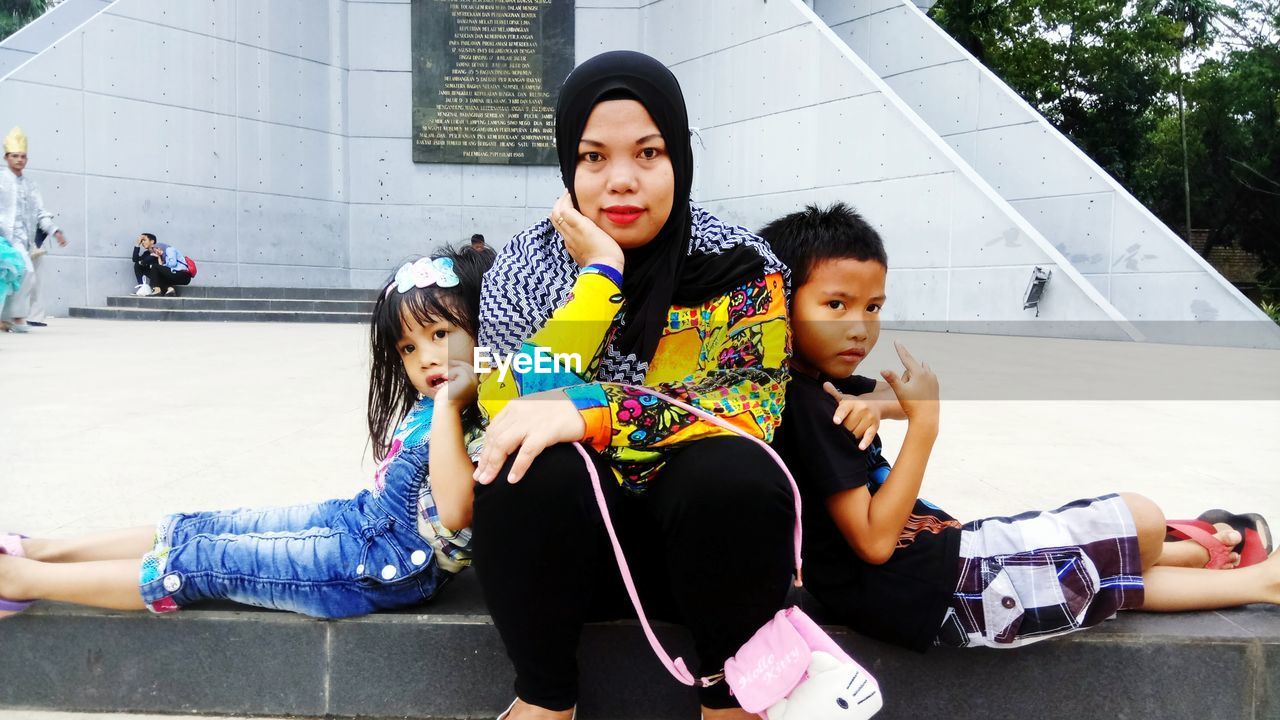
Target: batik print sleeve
{"x":580,"y":328}
{"x":725,"y":357}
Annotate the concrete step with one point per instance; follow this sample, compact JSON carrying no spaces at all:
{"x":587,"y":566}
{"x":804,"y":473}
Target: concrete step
{"x":445,"y":660}
{"x":197,"y":290}
{"x":158,"y":313}
{"x":182,"y":302}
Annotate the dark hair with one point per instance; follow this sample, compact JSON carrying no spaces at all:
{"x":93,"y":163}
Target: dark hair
{"x":150,"y":237}
{"x":805,"y":238}
{"x":477,"y":238}
{"x":391,"y":395}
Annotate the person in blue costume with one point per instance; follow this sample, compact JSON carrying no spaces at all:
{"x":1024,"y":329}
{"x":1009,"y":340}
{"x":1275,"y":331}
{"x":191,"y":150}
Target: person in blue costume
{"x":13,"y":268}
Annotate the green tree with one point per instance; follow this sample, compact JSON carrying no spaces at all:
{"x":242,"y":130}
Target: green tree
{"x":1233,"y":129}
{"x":15,"y":14}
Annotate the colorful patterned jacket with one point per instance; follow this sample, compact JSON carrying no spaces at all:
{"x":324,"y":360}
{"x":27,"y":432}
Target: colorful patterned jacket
{"x":726,"y":356}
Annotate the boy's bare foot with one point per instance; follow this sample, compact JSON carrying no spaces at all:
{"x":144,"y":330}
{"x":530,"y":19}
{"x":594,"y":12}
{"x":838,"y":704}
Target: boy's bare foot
{"x":1189,"y":553}
{"x":1270,"y":568}
{"x":524,"y":711}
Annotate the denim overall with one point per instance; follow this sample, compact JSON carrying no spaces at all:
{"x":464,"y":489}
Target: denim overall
{"x":333,"y":559}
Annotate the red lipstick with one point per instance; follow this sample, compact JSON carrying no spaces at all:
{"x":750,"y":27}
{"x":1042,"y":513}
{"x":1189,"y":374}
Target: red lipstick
{"x":623,"y":214}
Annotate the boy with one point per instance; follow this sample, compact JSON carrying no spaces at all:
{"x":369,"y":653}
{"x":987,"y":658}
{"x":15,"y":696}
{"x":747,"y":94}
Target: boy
{"x":896,"y":568}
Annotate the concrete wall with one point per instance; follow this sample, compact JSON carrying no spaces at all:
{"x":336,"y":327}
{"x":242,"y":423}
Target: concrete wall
{"x":272,"y":142}
{"x":216,"y":124}
{"x":1145,"y":270}
{"x":399,"y":207}
{"x":37,"y":36}
{"x":788,"y":116}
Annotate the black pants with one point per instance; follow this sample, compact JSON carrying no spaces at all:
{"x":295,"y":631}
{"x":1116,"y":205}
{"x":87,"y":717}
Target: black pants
{"x":709,"y":543}
{"x":142,"y":267}
{"x":164,"y":278}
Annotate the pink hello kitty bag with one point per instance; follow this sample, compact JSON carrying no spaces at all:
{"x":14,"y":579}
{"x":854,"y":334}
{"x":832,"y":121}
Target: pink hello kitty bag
{"x":776,"y":660}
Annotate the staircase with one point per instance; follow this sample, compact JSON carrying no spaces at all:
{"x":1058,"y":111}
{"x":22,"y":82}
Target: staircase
{"x":240,"y":304}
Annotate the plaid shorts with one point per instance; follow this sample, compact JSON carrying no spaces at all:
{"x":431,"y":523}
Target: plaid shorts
{"x":1039,"y":575}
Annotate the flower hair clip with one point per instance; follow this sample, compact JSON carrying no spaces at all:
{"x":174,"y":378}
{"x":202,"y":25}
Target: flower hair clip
{"x":424,"y":272}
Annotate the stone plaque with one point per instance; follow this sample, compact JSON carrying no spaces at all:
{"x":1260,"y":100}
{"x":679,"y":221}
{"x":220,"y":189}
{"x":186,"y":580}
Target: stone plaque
{"x":486,"y":75}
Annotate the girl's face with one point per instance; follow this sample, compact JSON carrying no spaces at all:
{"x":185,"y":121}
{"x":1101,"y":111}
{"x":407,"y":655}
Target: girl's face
{"x":624,"y":182}
{"x":426,"y":351}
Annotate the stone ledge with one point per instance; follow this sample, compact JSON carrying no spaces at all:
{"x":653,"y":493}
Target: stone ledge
{"x":445,"y":660}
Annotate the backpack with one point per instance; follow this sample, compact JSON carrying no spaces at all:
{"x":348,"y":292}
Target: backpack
{"x":191,"y":265}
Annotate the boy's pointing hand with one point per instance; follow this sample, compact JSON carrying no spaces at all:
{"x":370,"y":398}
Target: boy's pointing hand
{"x":917,"y":388}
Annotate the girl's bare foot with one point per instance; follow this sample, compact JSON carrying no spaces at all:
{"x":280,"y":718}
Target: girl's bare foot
{"x":12,"y":588}
{"x":1189,"y":553}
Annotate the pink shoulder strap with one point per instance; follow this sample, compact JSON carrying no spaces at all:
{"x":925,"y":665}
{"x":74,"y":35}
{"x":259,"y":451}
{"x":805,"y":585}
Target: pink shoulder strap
{"x":677,"y":666}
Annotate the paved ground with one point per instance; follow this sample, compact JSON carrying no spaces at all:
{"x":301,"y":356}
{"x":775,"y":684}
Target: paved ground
{"x":108,"y":423}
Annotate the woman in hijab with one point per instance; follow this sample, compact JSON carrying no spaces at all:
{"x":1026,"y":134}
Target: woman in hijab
{"x":648,"y":290}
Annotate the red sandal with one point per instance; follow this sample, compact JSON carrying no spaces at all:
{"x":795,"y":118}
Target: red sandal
{"x":1201,"y":532}
{"x":1255,"y":533}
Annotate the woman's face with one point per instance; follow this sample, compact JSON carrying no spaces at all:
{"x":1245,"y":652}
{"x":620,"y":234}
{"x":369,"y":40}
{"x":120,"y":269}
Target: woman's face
{"x":624,"y":181}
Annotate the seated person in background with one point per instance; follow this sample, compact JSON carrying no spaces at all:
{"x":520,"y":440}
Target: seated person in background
{"x":897,"y":568}
{"x":478,"y":246}
{"x":143,"y":261}
{"x":170,"y":269}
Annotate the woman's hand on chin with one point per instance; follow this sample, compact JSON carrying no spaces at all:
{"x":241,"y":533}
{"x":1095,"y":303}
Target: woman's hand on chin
{"x":529,"y":425}
{"x":586,"y":242}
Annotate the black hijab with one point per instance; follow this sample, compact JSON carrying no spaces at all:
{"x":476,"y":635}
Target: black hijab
{"x":662,"y":273}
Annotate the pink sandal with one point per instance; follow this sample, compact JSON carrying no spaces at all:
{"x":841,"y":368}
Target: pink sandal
{"x":12,"y":545}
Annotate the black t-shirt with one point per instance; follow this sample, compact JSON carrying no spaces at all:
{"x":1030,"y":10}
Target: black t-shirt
{"x":902,"y":601}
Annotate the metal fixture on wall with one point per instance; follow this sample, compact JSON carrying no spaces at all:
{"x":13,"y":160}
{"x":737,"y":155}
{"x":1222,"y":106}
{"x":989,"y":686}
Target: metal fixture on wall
{"x":1035,"y":289}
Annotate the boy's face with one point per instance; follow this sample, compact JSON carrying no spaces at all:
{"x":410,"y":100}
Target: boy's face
{"x":835,"y":316}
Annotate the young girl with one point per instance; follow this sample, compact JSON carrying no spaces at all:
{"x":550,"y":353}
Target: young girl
{"x":390,"y":546}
